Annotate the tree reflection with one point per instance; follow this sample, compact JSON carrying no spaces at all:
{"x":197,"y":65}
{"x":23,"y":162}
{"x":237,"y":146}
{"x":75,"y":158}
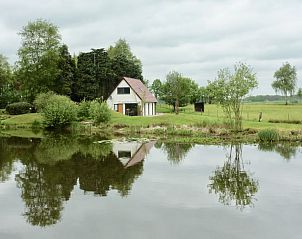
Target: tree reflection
{"x":44,"y":189}
{"x":54,"y":165}
{"x":232,"y":183}
{"x":287,"y":150}
{"x":176,"y":152}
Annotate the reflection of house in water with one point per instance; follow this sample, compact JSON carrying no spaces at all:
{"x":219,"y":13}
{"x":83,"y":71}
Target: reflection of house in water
{"x":131,"y":153}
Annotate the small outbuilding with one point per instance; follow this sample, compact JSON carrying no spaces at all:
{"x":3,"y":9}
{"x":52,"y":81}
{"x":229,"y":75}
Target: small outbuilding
{"x":199,"y":107}
{"x":132,"y":97}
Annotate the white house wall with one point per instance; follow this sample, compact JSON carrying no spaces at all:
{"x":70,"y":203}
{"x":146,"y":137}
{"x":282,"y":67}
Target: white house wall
{"x":116,"y":98}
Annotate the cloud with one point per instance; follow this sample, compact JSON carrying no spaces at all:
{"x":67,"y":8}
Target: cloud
{"x":194,"y":37}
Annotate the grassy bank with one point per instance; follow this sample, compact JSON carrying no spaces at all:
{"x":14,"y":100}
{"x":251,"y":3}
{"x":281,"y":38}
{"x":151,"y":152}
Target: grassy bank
{"x":188,"y":125}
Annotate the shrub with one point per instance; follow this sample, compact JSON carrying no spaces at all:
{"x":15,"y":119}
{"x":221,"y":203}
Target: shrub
{"x":42,"y":99}
{"x":19,"y":108}
{"x":99,"y":112}
{"x":83,"y":111}
{"x":59,"y":112}
{"x":268,"y":135}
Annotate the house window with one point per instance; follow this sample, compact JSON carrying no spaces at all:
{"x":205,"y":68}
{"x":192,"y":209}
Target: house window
{"x":116,"y":107}
{"x":123,"y":90}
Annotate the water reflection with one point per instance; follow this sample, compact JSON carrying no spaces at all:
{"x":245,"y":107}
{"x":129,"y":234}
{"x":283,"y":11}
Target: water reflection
{"x":176,"y":152}
{"x":286,"y":150}
{"x":52,"y":166}
{"x":232,"y":183}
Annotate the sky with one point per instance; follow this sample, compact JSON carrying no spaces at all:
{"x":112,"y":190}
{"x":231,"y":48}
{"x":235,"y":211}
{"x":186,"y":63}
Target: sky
{"x":193,"y":37}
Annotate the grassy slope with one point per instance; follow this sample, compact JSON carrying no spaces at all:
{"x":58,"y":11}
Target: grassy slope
{"x":23,"y":120}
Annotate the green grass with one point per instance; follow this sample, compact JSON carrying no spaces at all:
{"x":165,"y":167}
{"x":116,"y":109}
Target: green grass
{"x":23,"y":120}
{"x":212,"y":117}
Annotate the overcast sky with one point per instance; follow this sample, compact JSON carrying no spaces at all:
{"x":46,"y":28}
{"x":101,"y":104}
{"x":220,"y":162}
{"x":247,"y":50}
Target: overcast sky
{"x":196,"y":38}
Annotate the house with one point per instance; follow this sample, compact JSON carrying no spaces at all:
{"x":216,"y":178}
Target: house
{"x":131,"y":153}
{"x":132,"y":97}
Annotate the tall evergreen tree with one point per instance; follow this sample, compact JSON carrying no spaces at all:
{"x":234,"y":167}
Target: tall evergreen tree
{"x":65,"y":78}
{"x":94,"y":77}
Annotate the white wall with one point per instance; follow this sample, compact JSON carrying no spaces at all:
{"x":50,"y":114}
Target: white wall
{"x":115,"y":98}
{"x":149,"y":109}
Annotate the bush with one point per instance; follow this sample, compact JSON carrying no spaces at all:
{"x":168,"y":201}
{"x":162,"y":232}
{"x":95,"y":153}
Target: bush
{"x":19,"y":108}
{"x":59,"y":112}
{"x":83,"y":111}
{"x":42,"y":99}
{"x":99,"y":112}
{"x":268,"y":135}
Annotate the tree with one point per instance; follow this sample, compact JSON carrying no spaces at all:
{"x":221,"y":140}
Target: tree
{"x":38,"y":57}
{"x":5,"y":72}
{"x":8,"y":93}
{"x":286,"y":79}
{"x":229,"y":89}
{"x":176,"y":90}
{"x":95,"y":77}
{"x":66,"y":65}
{"x":124,"y":62}
{"x":156,"y":88}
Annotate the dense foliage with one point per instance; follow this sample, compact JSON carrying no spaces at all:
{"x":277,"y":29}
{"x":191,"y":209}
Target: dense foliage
{"x":99,"y":112}
{"x":19,"y":108}
{"x":59,"y":112}
{"x":41,"y":100}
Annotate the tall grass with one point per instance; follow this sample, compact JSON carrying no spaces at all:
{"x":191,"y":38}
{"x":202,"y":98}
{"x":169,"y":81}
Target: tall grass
{"x":268,"y":135}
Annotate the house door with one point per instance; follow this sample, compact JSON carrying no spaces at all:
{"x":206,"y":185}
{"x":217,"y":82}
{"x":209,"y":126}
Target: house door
{"x":120,"y":108}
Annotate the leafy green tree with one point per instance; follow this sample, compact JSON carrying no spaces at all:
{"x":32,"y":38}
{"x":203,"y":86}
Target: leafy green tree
{"x":176,"y":90}
{"x":5,"y":72}
{"x":8,"y":91}
{"x":229,"y":89}
{"x":156,"y":88}
{"x":286,"y":79}
{"x":124,"y":62}
{"x":66,"y":65}
{"x":38,"y":57}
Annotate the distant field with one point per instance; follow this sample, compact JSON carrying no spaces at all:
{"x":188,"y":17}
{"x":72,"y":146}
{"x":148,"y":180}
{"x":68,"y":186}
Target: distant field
{"x":251,"y":111}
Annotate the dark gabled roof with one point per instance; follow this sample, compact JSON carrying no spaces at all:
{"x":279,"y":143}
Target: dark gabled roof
{"x":140,"y":89}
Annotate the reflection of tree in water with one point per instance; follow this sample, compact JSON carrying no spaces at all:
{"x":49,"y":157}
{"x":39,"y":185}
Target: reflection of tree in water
{"x":48,"y":177}
{"x":232,"y":183}
{"x":44,"y":189}
{"x":176,"y":152}
{"x":6,"y":161}
{"x":10,"y":148}
{"x":287,"y":150}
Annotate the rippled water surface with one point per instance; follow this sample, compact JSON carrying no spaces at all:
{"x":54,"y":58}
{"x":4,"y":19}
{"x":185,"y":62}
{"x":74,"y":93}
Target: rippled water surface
{"x":66,"y":187}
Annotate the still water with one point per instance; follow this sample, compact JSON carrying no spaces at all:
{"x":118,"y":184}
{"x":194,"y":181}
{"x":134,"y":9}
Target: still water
{"x":67,"y":187}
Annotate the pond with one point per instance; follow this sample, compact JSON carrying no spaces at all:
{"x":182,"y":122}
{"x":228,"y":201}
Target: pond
{"x":75,"y":187}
